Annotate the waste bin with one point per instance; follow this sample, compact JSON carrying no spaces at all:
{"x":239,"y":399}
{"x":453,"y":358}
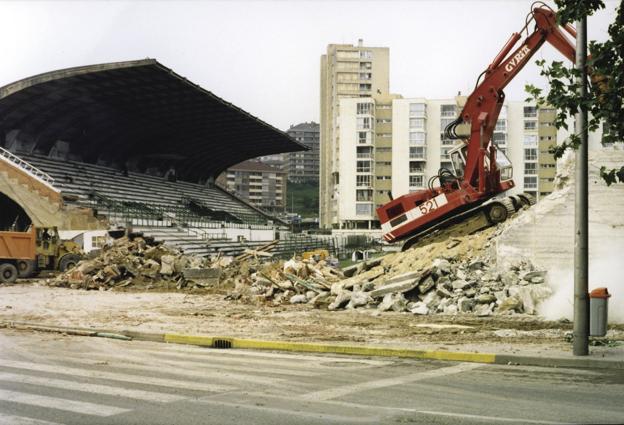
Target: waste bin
{"x":598,"y":311}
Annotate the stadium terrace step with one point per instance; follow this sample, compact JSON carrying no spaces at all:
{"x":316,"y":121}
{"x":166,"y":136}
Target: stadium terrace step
{"x":130,"y":195}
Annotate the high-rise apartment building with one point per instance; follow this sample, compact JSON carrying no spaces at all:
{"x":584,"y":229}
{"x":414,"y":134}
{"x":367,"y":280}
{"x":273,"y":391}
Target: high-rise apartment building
{"x":347,"y":72}
{"x":259,"y":184}
{"x":391,"y":145}
{"x":303,"y":167}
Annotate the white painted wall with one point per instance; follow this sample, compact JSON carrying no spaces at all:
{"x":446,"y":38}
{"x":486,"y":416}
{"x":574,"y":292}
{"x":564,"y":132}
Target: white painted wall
{"x":84,"y":238}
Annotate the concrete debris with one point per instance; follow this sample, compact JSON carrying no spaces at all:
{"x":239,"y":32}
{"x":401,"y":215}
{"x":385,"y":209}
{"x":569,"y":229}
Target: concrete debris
{"x":451,"y":276}
{"x":132,"y":263}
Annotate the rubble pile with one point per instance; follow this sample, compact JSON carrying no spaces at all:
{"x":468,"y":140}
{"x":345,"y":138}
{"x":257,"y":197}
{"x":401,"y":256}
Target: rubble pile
{"x":450,"y":285}
{"x":294,"y":281}
{"x":446,"y":275}
{"x":133,"y":263}
{"x":449,"y":273}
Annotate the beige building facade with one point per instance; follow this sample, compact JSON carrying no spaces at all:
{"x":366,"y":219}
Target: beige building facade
{"x":347,"y":72}
{"x":392,"y":146}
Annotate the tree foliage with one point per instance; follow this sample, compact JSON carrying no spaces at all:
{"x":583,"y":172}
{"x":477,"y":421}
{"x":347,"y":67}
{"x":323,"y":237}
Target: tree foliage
{"x":605,"y":96}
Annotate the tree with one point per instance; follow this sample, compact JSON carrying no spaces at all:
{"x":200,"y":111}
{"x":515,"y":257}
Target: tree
{"x":605,"y":96}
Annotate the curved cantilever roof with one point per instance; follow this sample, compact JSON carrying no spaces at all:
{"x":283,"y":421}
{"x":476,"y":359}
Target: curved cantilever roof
{"x":138,"y":110}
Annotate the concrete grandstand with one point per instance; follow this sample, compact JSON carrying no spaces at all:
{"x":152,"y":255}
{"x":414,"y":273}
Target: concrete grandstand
{"x":129,"y":144}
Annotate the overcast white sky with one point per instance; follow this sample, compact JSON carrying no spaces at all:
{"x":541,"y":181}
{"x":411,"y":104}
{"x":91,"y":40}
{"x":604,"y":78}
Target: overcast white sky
{"x":264,"y":55}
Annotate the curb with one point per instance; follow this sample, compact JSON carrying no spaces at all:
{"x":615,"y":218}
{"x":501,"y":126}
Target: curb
{"x":308,"y":347}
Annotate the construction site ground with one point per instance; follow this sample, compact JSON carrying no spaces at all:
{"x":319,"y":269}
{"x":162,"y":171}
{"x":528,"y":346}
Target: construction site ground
{"x":211,"y":314}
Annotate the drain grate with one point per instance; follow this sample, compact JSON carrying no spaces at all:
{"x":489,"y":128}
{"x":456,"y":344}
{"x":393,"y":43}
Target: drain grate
{"x":221,"y":343}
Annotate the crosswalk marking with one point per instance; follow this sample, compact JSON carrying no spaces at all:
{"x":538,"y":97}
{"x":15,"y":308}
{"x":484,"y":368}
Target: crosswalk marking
{"x":90,"y":388}
{"x":22,"y":420}
{"x":206,"y":365}
{"x":340,"y":391}
{"x":61,"y":403}
{"x":208,"y":356}
{"x":116,"y":376}
{"x":180,"y":371}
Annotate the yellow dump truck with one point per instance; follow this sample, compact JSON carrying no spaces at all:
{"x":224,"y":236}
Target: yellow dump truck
{"x":24,"y":254}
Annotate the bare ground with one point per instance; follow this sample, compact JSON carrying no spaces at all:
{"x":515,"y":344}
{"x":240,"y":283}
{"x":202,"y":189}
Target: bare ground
{"x":211,"y":314}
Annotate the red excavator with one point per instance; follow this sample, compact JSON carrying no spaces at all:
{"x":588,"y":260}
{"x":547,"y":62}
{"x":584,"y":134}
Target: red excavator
{"x":480,"y":171}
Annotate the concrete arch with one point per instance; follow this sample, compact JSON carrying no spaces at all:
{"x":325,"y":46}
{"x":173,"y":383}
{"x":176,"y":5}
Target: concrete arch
{"x":12,"y":215}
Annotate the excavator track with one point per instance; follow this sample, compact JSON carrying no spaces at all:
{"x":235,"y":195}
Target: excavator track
{"x":485,"y":215}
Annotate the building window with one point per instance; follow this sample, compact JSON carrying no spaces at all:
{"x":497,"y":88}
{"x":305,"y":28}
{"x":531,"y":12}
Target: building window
{"x":416,"y":138}
{"x":363,"y":181}
{"x":363,"y":167}
{"x":417,"y":109}
{"x":501,"y":125}
{"x":363,"y":209}
{"x":448,"y":110}
{"x":530,"y":168}
{"x":530,"y":139}
{"x":364,"y":123}
{"x":530,"y":125}
{"x":366,"y":54}
{"x":416,"y":181}
{"x":364,"y":137}
{"x":417,"y":123}
{"x":365,"y":86}
{"x":416,"y":167}
{"x":499,"y":138}
{"x":364,"y":152}
{"x":366,"y":75}
{"x":444,"y":153}
{"x":530,"y":111}
{"x":98,"y":241}
{"x":364,"y":195}
{"x":530,"y":154}
{"x":417,"y":152}
{"x":530,"y":182}
{"x":444,"y":122}
{"x":364,"y":108}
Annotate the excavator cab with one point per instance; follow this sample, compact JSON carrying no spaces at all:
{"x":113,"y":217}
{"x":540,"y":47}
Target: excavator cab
{"x":458,"y":159}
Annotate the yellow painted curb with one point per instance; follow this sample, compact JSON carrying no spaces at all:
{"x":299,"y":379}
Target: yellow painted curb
{"x":210,"y":341}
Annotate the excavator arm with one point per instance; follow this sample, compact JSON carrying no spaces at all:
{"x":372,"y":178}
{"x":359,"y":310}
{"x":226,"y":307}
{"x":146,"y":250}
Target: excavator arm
{"x":483,"y":106}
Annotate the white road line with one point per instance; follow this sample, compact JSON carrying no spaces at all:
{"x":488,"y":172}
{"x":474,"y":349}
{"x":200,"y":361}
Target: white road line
{"x":336,"y":392}
{"x":116,"y":376}
{"x":22,"y":420}
{"x":174,"y":369}
{"x":490,"y":418}
{"x":376,"y":409}
{"x":288,"y":412}
{"x":205,"y":364}
{"x":61,"y":403}
{"x":90,"y":388}
{"x":283,"y":365}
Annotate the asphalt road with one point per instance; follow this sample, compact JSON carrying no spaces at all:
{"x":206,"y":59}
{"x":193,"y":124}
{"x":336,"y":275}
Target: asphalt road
{"x":53,"y":379}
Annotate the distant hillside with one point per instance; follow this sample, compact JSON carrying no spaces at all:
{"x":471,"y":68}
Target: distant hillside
{"x":303,"y":199}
